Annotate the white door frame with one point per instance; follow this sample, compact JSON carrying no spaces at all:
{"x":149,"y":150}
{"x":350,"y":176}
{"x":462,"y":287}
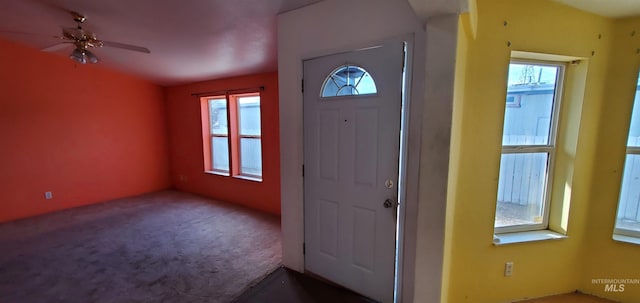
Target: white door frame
{"x":408,"y":188}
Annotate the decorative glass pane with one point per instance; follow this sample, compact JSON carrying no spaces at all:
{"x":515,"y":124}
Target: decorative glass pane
{"x":348,"y":80}
{"x":218,"y":116}
{"x":250,"y":157}
{"x":529,"y":104}
{"x":521,"y":189}
{"x":220,"y":153}
{"x":249,"y":115}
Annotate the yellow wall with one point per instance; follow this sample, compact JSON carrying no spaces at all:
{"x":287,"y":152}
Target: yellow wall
{"x":464,"y":27}
{"x":605,"y":258}
{"x":596,"y":108}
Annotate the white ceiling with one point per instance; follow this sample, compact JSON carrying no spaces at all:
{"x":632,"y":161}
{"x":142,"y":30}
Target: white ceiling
{"x":607,"y":8}
{"x":189,"y":40}
{"x":429,"y":8}
{"x":195,"y":40}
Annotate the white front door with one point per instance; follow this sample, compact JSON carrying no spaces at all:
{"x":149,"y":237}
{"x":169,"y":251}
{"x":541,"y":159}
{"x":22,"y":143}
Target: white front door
{"x":351,"y":154}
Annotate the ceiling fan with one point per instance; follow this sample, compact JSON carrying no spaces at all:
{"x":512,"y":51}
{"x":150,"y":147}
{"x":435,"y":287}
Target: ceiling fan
{"x":83,"y":40}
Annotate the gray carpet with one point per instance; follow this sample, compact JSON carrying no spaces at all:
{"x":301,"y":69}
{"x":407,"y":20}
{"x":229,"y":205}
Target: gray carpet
{"x":161,"y":247}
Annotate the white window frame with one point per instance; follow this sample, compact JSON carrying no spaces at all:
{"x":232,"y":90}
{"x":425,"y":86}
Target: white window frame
{"x":631,"y":150}
{"x":233,"y":136}
{"x":224,"y":172}
{"x":549,"y":148}
{"x":242,"y":136}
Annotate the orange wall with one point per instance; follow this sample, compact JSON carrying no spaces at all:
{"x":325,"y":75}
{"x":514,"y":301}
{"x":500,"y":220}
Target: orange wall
{"x":85,"y":133}
{"x":185,"y":137}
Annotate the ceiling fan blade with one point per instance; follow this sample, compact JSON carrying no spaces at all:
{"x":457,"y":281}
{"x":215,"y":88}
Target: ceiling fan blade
{"x":72,"y":33}
{"x":126,"y":46}
{"x":56,"y":47}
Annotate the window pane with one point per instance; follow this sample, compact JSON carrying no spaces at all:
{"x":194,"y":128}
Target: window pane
{"x":521,"y":189}
{"x":529,"y":104}
{"x":629,"y":205}
{"x":348,"y":80}
{"x":218,"y":116}
{"x":220,"y":153}
{"x":250,"y":157}
{"x":249,"y":115}
{"x":634,"y":129}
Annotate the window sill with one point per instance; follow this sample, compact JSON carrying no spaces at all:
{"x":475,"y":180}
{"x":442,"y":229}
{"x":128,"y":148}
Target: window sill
{"x":248,"y":178}
{"x":526,"y":236}
{"x":211,"y":172}
{"x":626,"y":239}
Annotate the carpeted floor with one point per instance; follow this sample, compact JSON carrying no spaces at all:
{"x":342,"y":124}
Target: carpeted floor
{"x":161,"y":247}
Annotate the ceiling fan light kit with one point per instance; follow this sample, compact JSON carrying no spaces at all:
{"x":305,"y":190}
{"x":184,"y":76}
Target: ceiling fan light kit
{"x":83,"y":56}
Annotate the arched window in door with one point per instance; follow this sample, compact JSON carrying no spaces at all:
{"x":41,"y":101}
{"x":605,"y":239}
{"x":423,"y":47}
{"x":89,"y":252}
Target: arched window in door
{"x":348,"y":80}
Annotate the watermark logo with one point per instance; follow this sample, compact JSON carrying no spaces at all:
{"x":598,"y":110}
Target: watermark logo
{"x":615,"y":285}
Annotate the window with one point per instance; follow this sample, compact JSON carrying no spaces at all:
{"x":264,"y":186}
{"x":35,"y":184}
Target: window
{"x":628,"y":218}
{"x":234,"y":143}
{"x":249,"y":133}
{"x":528,"y":145}
{"x":219,"y":131}
{"x":348,"y":80}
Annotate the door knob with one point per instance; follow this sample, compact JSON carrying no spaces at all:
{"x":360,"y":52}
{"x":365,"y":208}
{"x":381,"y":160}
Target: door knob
{"x":388,"y":203}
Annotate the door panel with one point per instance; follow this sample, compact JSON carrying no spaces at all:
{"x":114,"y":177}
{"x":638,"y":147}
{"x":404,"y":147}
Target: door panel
{"x":328,"y":146}
{"x":351,"y":149}
{"x":365,"y":157}
{"x":328,"y":214}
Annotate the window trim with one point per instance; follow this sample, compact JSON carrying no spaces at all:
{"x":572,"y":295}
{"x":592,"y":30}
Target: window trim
{"x":550,"y":148}
{"x":621,"y":234}
{"x":233,"y":135}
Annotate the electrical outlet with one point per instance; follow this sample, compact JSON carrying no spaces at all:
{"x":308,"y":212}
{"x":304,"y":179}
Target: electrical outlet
{"x":48,"y":195}
{"x":508,"y":269}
